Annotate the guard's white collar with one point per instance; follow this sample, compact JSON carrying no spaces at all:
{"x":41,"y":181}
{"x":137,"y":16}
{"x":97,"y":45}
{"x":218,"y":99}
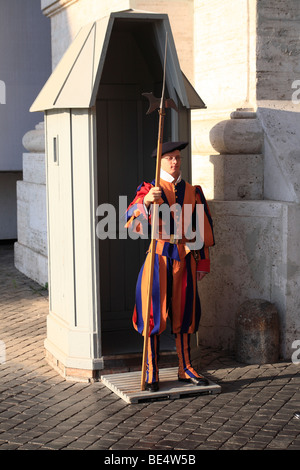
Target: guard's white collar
{"x":169,"y":178}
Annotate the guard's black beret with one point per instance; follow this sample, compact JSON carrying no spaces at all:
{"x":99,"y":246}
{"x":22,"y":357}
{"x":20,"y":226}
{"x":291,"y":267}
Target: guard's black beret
{"x":170,"y":147}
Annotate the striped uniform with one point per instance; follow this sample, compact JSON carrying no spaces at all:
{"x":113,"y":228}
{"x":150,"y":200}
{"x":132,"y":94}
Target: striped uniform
{"x":174,"y":292}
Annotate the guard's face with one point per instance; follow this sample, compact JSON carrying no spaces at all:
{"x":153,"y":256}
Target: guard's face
{"x":171,"y":163}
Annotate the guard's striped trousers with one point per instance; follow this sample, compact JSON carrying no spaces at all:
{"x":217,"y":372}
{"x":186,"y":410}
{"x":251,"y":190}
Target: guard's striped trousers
{"x":152,"y":359}
{"x":185,"y":369}
{"x":174,"y":295}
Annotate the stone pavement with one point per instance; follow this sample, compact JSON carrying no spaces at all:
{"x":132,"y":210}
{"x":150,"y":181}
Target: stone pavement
{"x":39,"y":410}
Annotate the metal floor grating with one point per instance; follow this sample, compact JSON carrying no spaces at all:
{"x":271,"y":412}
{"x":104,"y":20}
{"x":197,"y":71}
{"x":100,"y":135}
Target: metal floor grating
{"x":127,"y":386}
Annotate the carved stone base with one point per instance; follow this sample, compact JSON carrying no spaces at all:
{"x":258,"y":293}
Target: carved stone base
{"x":31,"y":257}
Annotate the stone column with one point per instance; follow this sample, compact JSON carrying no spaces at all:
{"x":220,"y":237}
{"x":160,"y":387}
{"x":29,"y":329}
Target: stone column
{"x":228,"y":164}
{"x":256,"y":242}
{"x":31,"y":247}
{"x":227,"y":156}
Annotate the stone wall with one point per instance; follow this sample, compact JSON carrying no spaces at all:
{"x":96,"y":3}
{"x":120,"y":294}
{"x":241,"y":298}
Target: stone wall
{"x":25,"y":65}
{"x":278,"y":66}
{"x":8,"y":204}
{"x":225,"y":42}
{"x":278,"y":49}
{"x":68,"y":16}
{"x":249,"y":53}
{"x":255,"y":240}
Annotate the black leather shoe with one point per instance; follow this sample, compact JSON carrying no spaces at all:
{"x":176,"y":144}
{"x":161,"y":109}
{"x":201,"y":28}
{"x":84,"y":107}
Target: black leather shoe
{"x":199,"y":381}
{"x":152,"y":387}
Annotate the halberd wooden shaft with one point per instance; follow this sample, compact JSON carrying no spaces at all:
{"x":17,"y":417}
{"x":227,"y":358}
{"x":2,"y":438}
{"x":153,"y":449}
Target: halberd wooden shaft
{"x":154,"y":216}
{"x":154,"y":220}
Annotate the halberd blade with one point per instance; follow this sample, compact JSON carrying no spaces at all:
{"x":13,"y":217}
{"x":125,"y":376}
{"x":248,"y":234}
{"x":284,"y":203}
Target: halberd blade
{"x":154,"y":103}
{"x":169,"y":103}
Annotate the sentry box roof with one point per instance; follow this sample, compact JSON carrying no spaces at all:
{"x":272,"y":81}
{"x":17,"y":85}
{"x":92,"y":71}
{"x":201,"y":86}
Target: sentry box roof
{"x":75,"y":81}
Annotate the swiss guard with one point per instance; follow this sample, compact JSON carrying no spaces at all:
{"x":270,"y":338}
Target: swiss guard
{"x":180,"y":261}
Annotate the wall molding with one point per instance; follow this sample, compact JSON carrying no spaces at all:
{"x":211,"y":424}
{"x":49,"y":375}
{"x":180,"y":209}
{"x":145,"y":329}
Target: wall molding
{"x":52,"y":7}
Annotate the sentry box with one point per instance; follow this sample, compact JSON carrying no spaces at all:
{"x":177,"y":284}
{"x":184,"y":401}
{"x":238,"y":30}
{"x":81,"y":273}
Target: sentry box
{"x":98,"y":144}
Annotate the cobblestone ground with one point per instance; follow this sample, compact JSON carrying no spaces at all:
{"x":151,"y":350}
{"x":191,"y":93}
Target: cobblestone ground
{"x":40,"y":410}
